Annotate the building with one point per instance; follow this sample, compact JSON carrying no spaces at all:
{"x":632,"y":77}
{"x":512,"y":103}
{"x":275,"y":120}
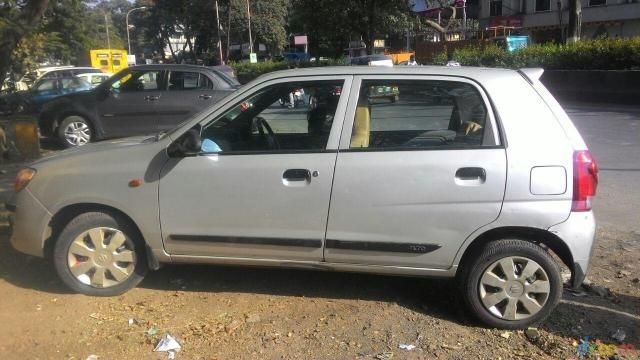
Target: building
{"x":547,"y":20}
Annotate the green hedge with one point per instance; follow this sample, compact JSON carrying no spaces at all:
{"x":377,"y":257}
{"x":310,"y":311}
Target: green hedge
{"x":602,"y":54}
{"x":246,"y":71}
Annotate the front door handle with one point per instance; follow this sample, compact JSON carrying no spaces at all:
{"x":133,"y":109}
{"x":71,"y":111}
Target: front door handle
{"x":205,"y":96}
{"x":297,"y":175}
{"x":152,"y":97}
{"x":475,"y":174}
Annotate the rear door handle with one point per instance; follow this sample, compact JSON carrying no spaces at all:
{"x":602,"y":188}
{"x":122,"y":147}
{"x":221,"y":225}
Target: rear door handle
{"x":475,"y":174}
{"x":152,"y":97}
{"x":205,"y":96}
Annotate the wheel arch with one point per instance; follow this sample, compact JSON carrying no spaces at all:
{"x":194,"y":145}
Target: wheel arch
{"x":540,"y":237}
{"x":63,"y":216}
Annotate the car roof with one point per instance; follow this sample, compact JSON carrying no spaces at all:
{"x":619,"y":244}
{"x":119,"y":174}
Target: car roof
{"x":71,"y":68}
{"x":94,"y":74}
{"x":477,"y":73}
{"x":169,"y":67}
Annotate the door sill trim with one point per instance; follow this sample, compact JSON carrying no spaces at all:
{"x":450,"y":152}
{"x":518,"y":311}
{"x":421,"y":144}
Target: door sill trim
{"x":316,"y":265}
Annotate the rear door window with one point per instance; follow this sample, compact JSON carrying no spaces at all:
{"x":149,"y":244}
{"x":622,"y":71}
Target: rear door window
{"x":413,"y":114}
{"x":187,"y":80}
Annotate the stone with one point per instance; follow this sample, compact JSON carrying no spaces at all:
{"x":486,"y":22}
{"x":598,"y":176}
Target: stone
{"x":532,"y":334}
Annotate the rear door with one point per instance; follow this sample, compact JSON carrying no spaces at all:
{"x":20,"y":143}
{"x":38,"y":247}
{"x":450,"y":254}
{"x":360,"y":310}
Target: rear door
{"x":415,"y":175}
{"x":187,"y":93}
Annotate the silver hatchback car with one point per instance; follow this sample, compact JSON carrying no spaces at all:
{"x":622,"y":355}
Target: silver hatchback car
{"x":473,"y":174}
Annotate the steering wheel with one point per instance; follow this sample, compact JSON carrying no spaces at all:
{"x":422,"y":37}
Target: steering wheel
{"x":266,"y":132}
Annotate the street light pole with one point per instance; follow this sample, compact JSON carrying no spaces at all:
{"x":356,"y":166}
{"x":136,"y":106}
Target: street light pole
{"x":127,"y":21}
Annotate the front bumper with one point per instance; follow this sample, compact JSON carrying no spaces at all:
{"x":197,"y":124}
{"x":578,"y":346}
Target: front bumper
{"x":578,"y":232}
{"x":29,"y":223}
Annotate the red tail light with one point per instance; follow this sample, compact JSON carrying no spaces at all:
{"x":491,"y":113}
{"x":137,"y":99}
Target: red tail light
{"x":585,"y":180}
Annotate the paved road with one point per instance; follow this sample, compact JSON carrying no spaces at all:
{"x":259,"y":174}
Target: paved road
{"x":612,"y":133}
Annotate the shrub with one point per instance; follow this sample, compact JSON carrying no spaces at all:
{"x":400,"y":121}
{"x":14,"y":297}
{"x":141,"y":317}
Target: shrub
{"x":600,"y":54}
{"x":248,"y":71}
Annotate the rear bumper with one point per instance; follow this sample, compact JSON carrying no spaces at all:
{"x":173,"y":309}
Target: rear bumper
{"x":578,"y":232}
{"x":29,"y":223}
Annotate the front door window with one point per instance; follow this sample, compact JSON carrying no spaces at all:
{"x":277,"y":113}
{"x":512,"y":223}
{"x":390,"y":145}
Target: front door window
{"x":280,"y":118}
{"x":138,"y":81}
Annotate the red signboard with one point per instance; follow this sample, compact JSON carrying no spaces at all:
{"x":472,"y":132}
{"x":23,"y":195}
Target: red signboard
{"x":514,"y":21}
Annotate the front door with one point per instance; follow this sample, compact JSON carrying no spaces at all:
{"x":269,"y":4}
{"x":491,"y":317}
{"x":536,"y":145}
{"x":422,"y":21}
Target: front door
{"x":419,"y":169}
{"x":129,"y":106}
{"x":260,"y":187}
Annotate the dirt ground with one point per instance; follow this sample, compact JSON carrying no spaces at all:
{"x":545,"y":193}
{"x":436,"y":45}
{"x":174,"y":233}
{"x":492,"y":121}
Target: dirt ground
{"x":251,"y":313}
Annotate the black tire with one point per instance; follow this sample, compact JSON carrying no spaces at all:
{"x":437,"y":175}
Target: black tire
{"x":132,"y":244}
{"x":83,"y":134}
{"x":520,"y":252}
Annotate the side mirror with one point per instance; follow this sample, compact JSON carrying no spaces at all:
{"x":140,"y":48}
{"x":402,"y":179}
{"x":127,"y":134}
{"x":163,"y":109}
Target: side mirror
{"x":189,"y":144}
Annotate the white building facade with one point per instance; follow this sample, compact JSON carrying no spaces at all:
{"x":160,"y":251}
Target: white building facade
{"x":547,"y":20}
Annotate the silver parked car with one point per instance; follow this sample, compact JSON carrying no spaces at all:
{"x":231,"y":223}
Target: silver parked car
{"x":476,"y":174}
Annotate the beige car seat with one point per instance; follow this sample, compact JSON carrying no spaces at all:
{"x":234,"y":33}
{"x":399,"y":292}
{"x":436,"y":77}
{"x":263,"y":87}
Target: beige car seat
{"x":361,"y":127}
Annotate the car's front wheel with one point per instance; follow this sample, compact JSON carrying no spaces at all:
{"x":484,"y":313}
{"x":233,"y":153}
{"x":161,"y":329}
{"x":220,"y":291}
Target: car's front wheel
{"x":512,"y":284}
{"x":100,"y":254}
{"x":74,"y":130}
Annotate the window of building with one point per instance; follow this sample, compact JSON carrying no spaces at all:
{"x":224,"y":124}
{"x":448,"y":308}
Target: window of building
{"x":597,"y":2}
{"x":543,"y":5}
{"x":495,"y":8}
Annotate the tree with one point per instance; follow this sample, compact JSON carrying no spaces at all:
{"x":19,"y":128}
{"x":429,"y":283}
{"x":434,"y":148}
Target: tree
{"x":196,"y":20}
{"x":331,"y":24}
{"x":54,"y":31}
{"x":17,"y":20}
{"x":575,"y":21}
{"x":448,"y":8}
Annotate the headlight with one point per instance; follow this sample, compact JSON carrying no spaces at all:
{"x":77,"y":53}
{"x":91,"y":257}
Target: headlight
{"x":23,"y":178}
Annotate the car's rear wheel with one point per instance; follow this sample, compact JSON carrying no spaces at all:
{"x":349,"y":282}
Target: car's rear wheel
{"x":512,"y":284}
{"x":100,"y":254}
{"x":74,"y":130}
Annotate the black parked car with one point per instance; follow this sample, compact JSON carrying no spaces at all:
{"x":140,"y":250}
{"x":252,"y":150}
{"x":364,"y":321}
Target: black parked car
{"x":137,"y":100}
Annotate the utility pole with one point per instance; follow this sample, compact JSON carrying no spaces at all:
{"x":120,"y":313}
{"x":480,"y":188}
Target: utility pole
{"x":250,"y":39}
{"x":562,"y":39}
{"x":228,"y":29}
{"x":106,"y":26}
{"x":575,"y":21}
{"x":219,"y":39}
{"x":464,"y":19}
